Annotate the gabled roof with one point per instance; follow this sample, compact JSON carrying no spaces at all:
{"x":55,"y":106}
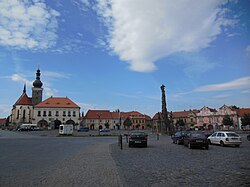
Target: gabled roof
{"x":24,"y":100}
{"x":2,"y":120}
{"x":243,"y":111}
{"x":57,"y":102}
{"x":98,"y":114}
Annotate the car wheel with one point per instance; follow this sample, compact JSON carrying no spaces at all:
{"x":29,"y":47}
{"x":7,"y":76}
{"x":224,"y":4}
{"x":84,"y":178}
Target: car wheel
{"x":189,"y":146}
{"x":178,"y":142}
{"x":209,"y":141}
{"x":237,"y":145}
{"x":222,"y":143}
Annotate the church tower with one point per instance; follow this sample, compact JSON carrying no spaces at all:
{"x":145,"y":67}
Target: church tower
{"x":37,"y":89}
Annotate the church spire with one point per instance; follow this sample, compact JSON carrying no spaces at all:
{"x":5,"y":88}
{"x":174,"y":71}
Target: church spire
{"x":24,"y":88}
{"x":37,"y":83}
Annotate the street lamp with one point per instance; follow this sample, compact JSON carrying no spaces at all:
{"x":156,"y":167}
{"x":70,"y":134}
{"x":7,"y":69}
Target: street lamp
{"x":99,"y":116}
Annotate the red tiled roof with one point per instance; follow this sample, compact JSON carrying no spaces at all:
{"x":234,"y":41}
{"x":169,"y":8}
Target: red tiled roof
{"x":2,"y":120}
{"x":106,"y":114}
{"x":24,"y":100}
{"x":57,"y":102}
{"x":243,"y":111}
{"x":98,"y":114}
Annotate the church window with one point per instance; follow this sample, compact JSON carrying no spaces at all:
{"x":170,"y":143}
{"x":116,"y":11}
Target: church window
{"x":39,"y":113}
{"x":17,"y":114}
{"x":24,"y":112}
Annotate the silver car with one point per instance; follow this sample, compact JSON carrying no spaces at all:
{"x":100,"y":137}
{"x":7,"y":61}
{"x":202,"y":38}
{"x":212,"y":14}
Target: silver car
{"x":225,"y":138}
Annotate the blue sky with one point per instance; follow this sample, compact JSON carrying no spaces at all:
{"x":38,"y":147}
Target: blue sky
{"x":115,"y":54}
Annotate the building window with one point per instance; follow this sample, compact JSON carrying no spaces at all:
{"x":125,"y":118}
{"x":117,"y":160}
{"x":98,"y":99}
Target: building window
{"x":44,"y":113}
{"x":64,"y":113}
{"x":17,"y":114}
{"x":57,"y":113}
{"x":49,"y":113}
{"x":74,"y":113}
{"x":69,"y":114}
{"x":39,"y":113}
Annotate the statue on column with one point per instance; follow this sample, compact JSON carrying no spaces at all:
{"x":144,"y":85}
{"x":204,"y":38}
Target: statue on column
{"x":165,"y":121}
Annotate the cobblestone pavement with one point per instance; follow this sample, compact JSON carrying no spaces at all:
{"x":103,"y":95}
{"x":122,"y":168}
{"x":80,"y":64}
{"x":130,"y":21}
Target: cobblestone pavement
{"x":42,"y":159}
{"x":166,"y":164}
{"x":56,"y":161}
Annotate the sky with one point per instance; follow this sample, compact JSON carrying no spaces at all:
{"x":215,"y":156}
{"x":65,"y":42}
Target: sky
{"x":115,"y":54}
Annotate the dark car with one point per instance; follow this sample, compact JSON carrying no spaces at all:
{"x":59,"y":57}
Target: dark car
{"x":196,"y":139}
{"x":138,"y":138}
{"x":178,"y":137}
{"x":83,"y":129}
{"x":208,"y":133}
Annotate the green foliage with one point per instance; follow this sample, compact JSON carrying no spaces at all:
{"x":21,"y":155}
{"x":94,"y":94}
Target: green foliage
{"x":227,"y":121}
{"x":180,"y":122}
{"x":106,"y":125}
{"x":127,"y":122}
{"x":246,"y":119}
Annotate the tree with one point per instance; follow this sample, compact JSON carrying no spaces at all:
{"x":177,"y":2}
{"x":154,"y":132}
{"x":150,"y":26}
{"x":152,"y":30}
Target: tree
{"x":127,"y":123}
{"x":245,"y":120}
{"x":235,"y":107}
{"x":180,"y":122}
{"x":227,"y":121}
{"x":148,"y":124}
{"x":106,"y":125}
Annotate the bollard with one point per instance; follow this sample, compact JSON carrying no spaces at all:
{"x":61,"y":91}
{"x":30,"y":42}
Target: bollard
{"x":157,"y":135}
{"x":121,"y":141}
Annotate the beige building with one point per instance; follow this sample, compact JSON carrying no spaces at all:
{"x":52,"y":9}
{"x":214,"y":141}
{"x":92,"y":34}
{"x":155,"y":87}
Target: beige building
{"x":55,"y":111}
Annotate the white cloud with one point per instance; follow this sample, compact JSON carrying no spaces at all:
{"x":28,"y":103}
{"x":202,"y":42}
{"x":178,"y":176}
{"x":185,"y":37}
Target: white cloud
{"x":52,"y":74}
{"x":223,"y":96}
{"x":27,"y":24}
{"x":248,"y":49}
{"x":246,"y":91}
{"x":20,"y":78}
{"x":50,"y":91}
{"x":241,"y":83}
{"x":142,"y":32}
{"x":4,"y":110}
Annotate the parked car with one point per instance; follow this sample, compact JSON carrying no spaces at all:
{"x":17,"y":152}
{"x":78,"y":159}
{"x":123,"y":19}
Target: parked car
{"x":196,"y":139}
{"x":139,"y":138}
{"x":104,"y":130}
{"x":225,"y":138}
{"x":178,"y":137}
{"x":83,"y":129}
{"x":208,"y":133}
{"x":248,"y":137}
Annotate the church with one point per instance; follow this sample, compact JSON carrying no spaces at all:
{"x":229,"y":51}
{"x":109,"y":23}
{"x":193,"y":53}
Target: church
{"x":47,"y":114}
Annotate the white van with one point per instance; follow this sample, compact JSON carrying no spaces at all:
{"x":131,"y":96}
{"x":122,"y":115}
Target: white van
{"x":66,"y":129}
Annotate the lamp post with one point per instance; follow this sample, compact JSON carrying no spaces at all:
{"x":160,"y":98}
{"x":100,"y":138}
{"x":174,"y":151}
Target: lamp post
{"x":99,"y":116}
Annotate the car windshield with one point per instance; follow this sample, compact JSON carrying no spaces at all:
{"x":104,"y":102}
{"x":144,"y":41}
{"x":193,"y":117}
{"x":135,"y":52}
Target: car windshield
{"x":230,"y":134}
{"x":137,"y":133}
{"x":198,"y":135}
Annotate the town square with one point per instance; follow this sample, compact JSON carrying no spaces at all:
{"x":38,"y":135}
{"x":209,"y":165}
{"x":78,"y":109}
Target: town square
{"x":124,"y":93}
